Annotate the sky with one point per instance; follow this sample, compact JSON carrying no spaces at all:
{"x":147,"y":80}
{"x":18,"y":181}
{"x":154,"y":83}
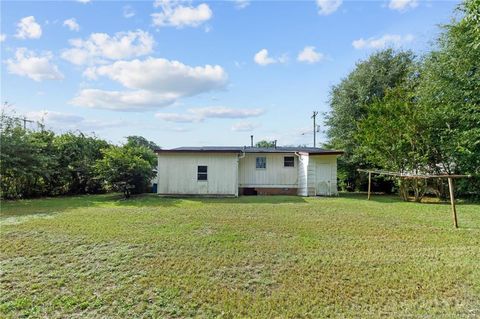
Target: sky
{"x":188,"y":73}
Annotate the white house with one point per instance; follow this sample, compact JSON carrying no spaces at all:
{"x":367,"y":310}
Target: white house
{"x":233,"y":171}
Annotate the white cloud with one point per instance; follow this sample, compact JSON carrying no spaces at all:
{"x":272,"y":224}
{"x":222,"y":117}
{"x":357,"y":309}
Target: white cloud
{"x":100,"y":47}
{"x":137,"y":100}
{"x":309,"y":55}
{"x":3,"y":36}
{"x":178,"y":129}
{"x":326,"y":7}
{"x":52,"y":116}
{"x":36,"y":67}
{"x":72,"y":24}
{"x":244,"y":127}
{"x":84,"y":1}
{"x":225,"y":112}
{"x":177,"y":15}
{"x":179,"y":118}
{"x":68,"y":121}
{"x":402,"y":5}
{"x":388,"y":40}
{"x":262,"y":58}
{"x":200,"y":114}
{"x":28,"y":28}
{"x":164,"y":76}
{"x":128,"y":12}
{"x":153,"y":82}
{"x":241,"y":4}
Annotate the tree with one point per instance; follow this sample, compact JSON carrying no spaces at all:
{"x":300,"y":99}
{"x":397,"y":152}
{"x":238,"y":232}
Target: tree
{"x":77,"y":154}
{"x":28,"y":162}
{"x":450,"y":91}
{"x":135,"y":140}
{"x":265,"y":143}
{"x":424,"y":119}
{"x":350,"y":103}
{"x":393,"y":136}
{"x":127,"y":169}
{"x":16,"y":157}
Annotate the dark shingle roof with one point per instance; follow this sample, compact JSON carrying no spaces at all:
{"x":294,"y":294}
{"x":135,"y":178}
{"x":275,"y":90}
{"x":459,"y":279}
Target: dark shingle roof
{"x":240,"y":149}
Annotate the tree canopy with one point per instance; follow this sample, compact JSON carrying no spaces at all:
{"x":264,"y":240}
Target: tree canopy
{"x":42,"y":163}
{"x":135,"y":140}
{"x":265,"y":143}
{"x":398,"y":112}
{"x":127,"y":169}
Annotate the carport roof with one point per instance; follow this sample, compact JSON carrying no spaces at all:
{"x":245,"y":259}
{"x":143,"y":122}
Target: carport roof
{"x":241,"y":149}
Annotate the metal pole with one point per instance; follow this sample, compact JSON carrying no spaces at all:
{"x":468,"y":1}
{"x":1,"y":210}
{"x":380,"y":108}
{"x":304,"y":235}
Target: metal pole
{"x":314,"y":116}
{"x":369,"y":184}
{"x":452,"y":202}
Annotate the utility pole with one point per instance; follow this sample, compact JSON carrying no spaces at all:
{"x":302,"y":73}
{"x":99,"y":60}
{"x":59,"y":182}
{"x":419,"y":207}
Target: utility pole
{"x":314,"y":116}
{"x":24,"y":119}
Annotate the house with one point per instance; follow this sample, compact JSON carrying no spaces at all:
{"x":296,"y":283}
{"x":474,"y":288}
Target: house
{"x":233,"y":171}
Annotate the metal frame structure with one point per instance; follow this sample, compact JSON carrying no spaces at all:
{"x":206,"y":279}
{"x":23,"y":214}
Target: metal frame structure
{"x":419,"y":176}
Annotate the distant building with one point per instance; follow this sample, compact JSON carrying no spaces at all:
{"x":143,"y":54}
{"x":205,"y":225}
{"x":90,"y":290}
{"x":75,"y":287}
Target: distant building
{"x":233,"y":171}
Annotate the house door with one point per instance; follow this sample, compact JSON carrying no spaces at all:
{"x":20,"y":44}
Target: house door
{"x":324,"y":173}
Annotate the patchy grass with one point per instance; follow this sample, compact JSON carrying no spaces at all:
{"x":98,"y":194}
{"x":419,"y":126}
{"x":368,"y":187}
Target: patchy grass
{"x":100,"y":256}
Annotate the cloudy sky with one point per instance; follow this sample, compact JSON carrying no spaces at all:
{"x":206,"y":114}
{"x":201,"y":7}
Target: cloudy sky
{"x":196,"y":73}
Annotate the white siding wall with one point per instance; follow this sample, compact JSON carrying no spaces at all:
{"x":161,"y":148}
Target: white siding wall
{"x":177,"y":173}
{"x":303,"y":175}
{"x":275,"y":175}
{"x":311,"y":177}
{"x":323,"y":169}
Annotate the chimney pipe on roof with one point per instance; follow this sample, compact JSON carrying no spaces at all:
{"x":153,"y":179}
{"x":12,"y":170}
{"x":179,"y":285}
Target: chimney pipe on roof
{"x":275,"y":143}
{"x":251,"y":140}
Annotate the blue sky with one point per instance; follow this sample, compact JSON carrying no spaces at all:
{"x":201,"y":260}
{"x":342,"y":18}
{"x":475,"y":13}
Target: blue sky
{"x":196,"y":73}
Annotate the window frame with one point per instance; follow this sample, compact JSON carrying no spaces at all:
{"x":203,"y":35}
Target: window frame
{"x":264,"y":162}
{"x":292,"y":161}
{"x":203,"y":174}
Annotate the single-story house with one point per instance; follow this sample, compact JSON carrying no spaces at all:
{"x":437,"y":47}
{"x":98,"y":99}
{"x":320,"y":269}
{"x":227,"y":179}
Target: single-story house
{"x":233,"y":171}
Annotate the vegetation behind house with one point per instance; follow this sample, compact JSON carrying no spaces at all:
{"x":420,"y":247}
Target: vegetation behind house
{"x":409,"y":114}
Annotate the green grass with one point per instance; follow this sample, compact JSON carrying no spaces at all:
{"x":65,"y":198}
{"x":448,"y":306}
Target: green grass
{"x":257,"y":257}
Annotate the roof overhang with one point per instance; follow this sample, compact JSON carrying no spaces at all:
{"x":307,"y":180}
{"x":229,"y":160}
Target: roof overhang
{"x":198,"y":151}
{"x":327,"y":153}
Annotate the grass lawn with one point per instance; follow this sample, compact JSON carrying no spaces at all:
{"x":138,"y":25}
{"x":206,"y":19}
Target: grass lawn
{"x":258,"y":257}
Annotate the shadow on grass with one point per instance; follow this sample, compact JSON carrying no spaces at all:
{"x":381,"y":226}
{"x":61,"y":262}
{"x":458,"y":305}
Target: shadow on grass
{"x":53,"y":205}
{"x":155,"y":200}
{"x":390,"y":199}
{"x":381,"y":198}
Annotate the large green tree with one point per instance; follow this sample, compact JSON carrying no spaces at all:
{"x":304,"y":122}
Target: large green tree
{"x":77,"y":155}
{"x":135,"y":140}
{"x":351,"y":101}
{"x":393,"y":136}
{"x":450,"y":92}
{"x":423,"y":117}
{"x":128,"y":169}
{"x":28,"y":164}
{"x":265,"y":143}
{"x":37,"y":162}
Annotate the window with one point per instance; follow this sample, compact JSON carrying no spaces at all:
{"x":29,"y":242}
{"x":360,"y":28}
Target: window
{"x":288,"y":161}
{"x":261,"y":162}
{"x":202,"y":173}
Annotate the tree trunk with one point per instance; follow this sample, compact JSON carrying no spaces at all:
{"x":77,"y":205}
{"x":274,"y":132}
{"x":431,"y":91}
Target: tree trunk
{"x":403,"y":189}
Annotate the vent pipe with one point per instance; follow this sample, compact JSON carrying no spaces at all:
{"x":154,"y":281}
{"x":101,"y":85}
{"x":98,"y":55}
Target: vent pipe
{"x":251,"y":140}
{"x":275,"y":143}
